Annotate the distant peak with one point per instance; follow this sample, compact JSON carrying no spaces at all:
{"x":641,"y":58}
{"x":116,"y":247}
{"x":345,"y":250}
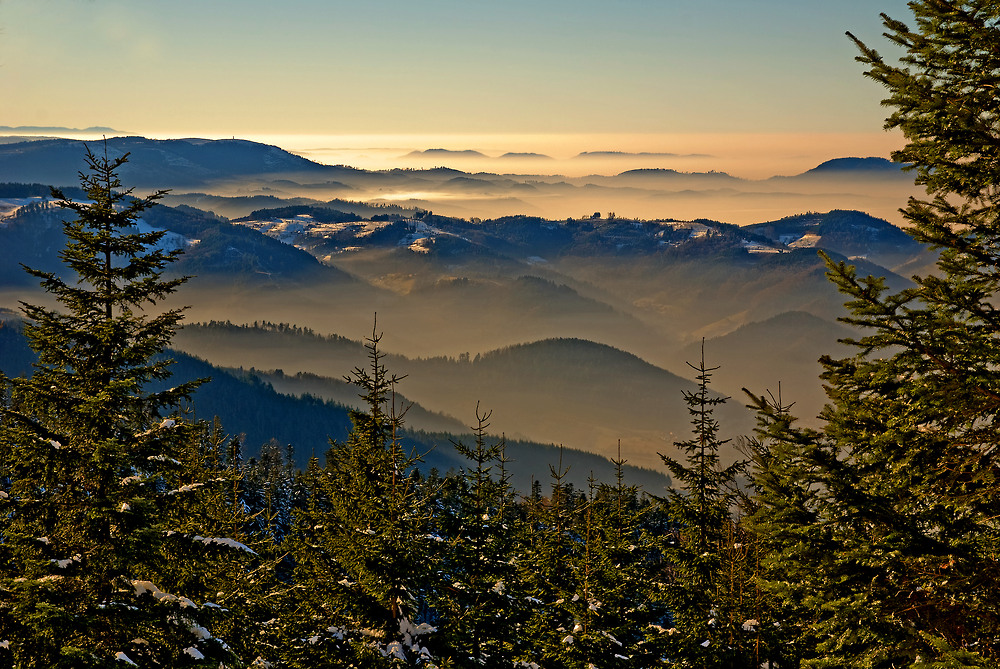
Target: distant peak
{"x":526,"y":155}
{"x":664,"y":172}
{"x":466,"y":153}
{"x":855,"y":164}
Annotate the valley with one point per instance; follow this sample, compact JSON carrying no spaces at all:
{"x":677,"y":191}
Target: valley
{"x":573,"y":331}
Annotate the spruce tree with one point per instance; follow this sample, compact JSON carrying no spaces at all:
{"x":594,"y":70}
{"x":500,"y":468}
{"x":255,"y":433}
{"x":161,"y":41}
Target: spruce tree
{"x":549,"y":568}
{"x":894,"y":534}
{"x":481,"y":602}
{"x":712,"y":624}
{"x":363,"y":554}
{"x":593,"y":572}
{"x":93,"y":461}
{"x":621,"y":618}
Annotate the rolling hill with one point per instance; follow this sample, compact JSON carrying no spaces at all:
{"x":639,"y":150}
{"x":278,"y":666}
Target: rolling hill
{"x":248,"y":404}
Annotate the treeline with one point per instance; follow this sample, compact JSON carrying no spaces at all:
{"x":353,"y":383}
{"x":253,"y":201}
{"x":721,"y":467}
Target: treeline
{"x":280,"y":328}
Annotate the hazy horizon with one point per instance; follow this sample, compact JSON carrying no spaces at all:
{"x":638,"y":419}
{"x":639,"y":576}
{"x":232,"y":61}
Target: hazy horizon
{"x":752,"y":156}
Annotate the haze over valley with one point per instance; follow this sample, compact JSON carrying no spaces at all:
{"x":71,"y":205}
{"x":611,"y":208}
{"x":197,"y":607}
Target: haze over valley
{"x":540,"y":297}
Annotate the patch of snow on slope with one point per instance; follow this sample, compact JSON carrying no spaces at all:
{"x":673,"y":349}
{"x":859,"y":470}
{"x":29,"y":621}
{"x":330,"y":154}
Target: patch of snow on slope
{"x":10,"y":206}
{"x":170,"y":241}
{"x":757,"y":247}
{"x":806,"y":241}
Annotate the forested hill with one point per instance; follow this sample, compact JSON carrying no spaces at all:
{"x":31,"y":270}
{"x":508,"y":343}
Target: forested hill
{"x":153,"y":163}
{"x":248,"y":405}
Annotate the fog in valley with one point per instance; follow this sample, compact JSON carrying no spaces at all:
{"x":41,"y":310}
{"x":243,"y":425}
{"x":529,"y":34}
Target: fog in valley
{"x":568,"y":298}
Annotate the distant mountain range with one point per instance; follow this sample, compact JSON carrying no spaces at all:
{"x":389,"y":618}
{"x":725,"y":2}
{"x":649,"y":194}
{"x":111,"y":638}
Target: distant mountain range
{"x":574,"y":330}
{"x":248,"y":169}
{"x":57,"y":129}
{"x":173,"y":162}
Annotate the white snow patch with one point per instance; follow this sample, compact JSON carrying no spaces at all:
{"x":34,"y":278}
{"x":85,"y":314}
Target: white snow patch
{"x":664,"y":630}
{"x":698,"y":230}
{"x":63,"y":564}
{"x":170,"y":241}
{"x":195,"y":653}
{"x":200,"y":632}
{"x":417,"y":244}
{"x":225,"y":541}
{"x":122,"y":657}
{"x":10,"y":206}
{"x":186,"y":488}
{"x":806,"y":241}
{"x":394,"y":649}
{"x":757,"y":247}
{"x":143,"y":587}
{"x":163,"y":458}
{"x":612,"y":638}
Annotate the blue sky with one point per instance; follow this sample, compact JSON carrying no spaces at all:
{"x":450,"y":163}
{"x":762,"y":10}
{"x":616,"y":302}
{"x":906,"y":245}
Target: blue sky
{"x":440,"y":66}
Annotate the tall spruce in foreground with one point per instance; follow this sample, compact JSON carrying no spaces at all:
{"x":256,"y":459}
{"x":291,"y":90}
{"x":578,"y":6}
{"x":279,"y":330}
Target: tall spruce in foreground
{"x":363,"y":554}
{"x":550,"y":574}
{"x":92,"y":463}
{"x":480,"y":606}
{"x":900,"y":501}
{"x":708,"y":591}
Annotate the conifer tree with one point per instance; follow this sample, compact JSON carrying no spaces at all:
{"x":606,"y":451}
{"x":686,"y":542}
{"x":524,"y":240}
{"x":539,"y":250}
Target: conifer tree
{"x":593,"y":572}
{"x":92,"y":460}
{"x":219,"y":553}
{"x":363,"y":554}
{"x":550,"y":573}
{"x":900,"y":489}
{"x":481,"y":602}
{"x":713,"y":629}
{"x":618,"y":608}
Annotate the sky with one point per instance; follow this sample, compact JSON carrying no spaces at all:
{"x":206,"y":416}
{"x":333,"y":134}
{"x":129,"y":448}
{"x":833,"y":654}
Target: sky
{"x":630,"y":69}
